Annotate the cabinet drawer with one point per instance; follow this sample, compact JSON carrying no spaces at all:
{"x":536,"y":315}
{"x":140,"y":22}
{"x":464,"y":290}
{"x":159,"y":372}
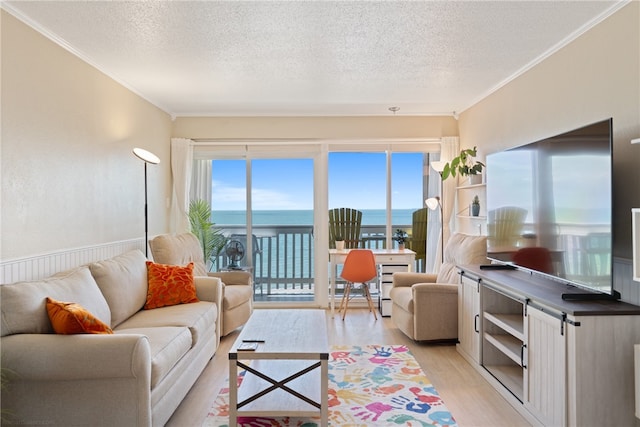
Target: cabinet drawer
{"x":393,"y":268}
{"x":393,"y":259}
{"x":385,"y":289}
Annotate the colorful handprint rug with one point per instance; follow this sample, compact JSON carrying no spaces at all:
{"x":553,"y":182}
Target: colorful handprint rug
{"x":374,"y":385}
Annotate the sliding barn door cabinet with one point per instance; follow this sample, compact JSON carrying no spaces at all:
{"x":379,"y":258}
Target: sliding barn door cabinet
{"x":559,"y":363}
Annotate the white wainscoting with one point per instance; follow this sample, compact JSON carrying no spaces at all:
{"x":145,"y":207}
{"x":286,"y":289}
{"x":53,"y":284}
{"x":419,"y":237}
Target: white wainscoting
{"x":44,"y":265}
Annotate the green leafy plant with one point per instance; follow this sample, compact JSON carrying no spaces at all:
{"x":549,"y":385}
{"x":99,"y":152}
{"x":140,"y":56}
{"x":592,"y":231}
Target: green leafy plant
{"x":464,"y":164}
{"x":476,"y":201}
{"x":211,"y":238}
{"x":339,"y":238}
{"x":400,"y":236}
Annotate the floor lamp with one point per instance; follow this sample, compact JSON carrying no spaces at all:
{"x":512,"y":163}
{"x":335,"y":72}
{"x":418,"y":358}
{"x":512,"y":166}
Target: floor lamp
{"x":434,"y":202}
{"x":146,"y":157}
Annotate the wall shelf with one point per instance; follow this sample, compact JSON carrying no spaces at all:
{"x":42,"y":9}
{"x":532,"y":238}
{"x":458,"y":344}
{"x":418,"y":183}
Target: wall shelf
{"x":465,"y":222}
{"x":480,"y":217}
{"x":470,"y":186}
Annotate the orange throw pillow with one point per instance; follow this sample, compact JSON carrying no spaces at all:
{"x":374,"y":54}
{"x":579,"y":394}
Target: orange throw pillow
{"x":169,"y":285}
{"x":70,"y":318}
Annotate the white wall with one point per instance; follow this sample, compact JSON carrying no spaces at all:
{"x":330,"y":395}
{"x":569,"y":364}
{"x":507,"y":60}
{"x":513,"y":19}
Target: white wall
{"x":69,"y":178}
{"x":595,"y":77}
{"x":325,"y":128}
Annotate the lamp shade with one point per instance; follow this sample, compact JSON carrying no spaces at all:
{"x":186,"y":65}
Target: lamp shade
{"x":146,"y":156}
{"x":433,"y":203}
{"x":438,"y":166}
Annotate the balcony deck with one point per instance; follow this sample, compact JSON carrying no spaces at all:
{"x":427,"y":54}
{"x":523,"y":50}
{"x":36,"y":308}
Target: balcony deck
{"x":282,"y":259}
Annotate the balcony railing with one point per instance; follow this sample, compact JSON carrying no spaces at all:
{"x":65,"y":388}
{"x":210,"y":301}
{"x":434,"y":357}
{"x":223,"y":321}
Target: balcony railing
{"x":282,"y":257}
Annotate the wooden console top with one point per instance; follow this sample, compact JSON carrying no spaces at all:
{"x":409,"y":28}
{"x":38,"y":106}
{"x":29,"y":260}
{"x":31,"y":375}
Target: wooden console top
{"x":549,"y":292}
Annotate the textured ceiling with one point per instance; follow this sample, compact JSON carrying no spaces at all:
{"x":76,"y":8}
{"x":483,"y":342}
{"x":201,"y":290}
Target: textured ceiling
{"x":312,"y":58}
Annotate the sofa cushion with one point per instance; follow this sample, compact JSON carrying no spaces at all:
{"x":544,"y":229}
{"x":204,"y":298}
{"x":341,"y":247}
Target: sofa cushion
{"x":169,"y":285}
{"x":461,"y":249}
{"x":123,"y":282}
{"x":198,"y":317}
{"x":168,"y":345}
{"x":24,"y":303}
{"x":69,"y":318}
{"x":179,"y":249}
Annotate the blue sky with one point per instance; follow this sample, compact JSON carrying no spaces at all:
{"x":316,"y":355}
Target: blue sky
{"x":355,"y":180}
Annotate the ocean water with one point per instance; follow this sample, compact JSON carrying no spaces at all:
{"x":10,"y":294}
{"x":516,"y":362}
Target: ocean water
{"x":305,"y":217}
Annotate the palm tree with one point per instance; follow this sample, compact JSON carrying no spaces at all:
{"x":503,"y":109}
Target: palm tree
{"x":211,"y":239}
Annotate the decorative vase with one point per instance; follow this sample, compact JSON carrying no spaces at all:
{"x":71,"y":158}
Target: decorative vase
{"x":475,"y":179}
{"x":401,"y":246}
{"x":475,"y":210}
{"x":340,"y":245}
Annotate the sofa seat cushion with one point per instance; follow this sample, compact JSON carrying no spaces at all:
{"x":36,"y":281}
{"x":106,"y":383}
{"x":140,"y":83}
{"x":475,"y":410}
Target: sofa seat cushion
{"x":197,"y":316}
{"x":24,"y":308}
{"x":123,"y":282}
{"x":168,"y":345}
{"x":403,"y":298}
{"x":236,"y":295}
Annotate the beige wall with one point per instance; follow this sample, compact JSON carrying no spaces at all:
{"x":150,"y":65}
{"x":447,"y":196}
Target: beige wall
{"x":385,"y":127}
{"x":69,"y":178}
{"x":593,"y":78}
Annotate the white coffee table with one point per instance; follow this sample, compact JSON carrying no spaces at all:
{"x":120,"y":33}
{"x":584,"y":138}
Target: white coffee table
{"x":287,"y":375}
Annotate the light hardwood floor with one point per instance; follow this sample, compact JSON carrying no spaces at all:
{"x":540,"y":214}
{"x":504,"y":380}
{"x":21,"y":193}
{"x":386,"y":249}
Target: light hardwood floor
{"x":471,"y":400}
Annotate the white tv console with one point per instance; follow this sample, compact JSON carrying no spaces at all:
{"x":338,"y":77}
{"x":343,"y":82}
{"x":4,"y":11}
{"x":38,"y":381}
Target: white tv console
{"x":559,"y":363}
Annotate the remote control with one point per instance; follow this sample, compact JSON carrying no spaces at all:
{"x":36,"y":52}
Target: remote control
{"x":497,"y":267}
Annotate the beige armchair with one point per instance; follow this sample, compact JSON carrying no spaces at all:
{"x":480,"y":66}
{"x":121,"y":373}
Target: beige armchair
{"x":425,"y":306}
{"x":237,"y":293}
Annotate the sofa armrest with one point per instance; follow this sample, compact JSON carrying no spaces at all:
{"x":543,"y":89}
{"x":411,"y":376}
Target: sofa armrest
{"x":435,"y":311}
{"x":410,"y":278}
{"x":54,"y":357}
{"x":211,"y":288}
{"x":73,"y":379}
{"x":420,"y":289}
{"x":234,"y":277}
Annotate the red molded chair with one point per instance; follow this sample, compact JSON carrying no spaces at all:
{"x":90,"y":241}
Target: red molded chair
{"x":359,"y":267}
{"x":536,"y":258}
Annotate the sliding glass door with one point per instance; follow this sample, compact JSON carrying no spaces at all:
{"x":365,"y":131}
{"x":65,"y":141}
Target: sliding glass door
{"x":272,"y":201}
{"x":265,"y":209}
{"x":282,"y":225}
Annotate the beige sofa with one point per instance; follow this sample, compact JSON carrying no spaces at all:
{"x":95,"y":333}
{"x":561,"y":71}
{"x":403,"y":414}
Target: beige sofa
{"x":425,"y":306}
{"x":136,"y":377}
{"x":237,"y":286}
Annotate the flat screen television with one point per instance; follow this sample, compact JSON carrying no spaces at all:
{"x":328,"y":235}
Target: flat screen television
{"x":549,"y":207}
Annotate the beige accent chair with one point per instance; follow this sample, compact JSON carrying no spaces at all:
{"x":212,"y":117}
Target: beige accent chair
{"x":425,"y":306}
{"x":237,"y":286}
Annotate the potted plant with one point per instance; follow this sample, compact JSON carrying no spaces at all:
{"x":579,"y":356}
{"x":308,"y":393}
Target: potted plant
{"x":211,"y":239}
{"x":475,"y":206}
{"x":400,"y":236}
{"x":464,"y":164}
{"x":339,"y":242}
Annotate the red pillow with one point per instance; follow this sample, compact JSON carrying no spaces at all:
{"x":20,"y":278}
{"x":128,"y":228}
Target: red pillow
{"x":70,"y":318}
{"x":169,"y":285}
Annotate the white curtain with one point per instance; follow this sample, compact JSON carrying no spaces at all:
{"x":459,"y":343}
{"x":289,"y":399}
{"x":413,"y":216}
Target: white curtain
{"x":181,"y":164}
{"x":448,"y":149}
{"x":201,"y":181}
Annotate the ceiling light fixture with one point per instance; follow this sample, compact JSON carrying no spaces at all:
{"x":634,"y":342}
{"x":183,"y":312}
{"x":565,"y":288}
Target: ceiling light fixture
{"x":394,"y":109}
